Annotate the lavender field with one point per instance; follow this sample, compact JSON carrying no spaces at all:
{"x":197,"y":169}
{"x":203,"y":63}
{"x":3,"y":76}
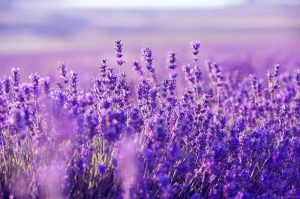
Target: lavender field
{"x":161,"y":113}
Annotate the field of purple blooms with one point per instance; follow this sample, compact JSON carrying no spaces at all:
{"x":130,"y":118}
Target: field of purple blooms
{"x":223,"y":137}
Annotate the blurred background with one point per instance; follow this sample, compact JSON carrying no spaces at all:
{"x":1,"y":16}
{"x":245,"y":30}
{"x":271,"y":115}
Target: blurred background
{"x":247,"y":35}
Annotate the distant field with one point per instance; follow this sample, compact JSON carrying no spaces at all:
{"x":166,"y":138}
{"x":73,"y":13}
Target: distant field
{"x":38,"y":40}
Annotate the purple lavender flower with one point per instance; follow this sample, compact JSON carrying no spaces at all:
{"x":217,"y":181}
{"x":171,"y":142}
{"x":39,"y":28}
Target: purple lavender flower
{"x":91,"y":123}
{"x":230,"y":190}
{"x":101,"y":169}
{"x":172,"y":61}
{"x":195,"y":46}
{"x":26,"y":88}
{"x":196,"y":196}
{"x":112,"y":125}
{"x":135,"y":121}
{"x":119,"y":55}
{"x":35,"y":82}
{"x":111,"y":79}
{"x":189,"y":73}
{"x":1,"y":88}
{"x":73,"y":83}
{"x":15,"y":77}
{"x":46,"y":85}
{"x":63,"y":72}
{"x":138,"y":68}
{"x":7,"y":85}
{"x":273,"y":79}
{"x":147,"y":56}
{"x":298,"y":79}
{"x":79,"y":165}
{"x":143,"y":91}
{"x":103,"y":68}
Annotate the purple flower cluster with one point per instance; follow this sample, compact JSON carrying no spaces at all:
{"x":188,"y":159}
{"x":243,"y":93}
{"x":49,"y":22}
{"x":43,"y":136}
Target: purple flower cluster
{"x":219,"y":139}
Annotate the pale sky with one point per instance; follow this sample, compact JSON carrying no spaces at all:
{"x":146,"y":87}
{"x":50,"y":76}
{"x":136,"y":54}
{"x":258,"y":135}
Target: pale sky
{"x":150,"y":3}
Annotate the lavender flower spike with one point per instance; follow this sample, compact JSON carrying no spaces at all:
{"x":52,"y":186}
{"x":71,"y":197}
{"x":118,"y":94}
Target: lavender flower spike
{"x":119,"y":49}
{"x":15,"y":77}
{"x":172,"y":61}
{"x":147,"y":56}
{"x":138,"y":68}
{"x":195,"y":46}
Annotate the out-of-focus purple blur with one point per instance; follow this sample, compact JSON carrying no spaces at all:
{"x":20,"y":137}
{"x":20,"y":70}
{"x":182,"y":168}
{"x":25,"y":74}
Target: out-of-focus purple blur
{"x":249,"y":36}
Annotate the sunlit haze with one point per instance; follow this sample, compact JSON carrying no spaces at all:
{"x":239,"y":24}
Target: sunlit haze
{"x":136,"y":4}
{"x":151,"y":3}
